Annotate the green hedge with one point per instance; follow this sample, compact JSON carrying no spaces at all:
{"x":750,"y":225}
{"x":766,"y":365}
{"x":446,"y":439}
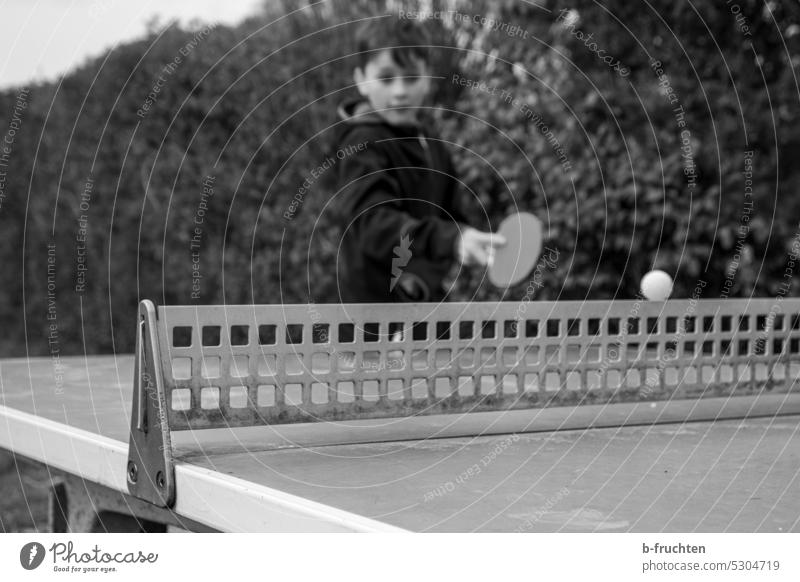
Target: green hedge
{"x":254,"y":108}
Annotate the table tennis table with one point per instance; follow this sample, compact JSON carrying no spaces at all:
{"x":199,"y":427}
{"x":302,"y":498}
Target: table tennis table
{"x":591,"y":416}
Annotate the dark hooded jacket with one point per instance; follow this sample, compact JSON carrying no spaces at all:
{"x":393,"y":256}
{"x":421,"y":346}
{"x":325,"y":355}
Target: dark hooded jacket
{"x":396,"y":202}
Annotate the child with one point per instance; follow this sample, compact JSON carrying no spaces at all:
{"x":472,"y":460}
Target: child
{"x":403,"y":227}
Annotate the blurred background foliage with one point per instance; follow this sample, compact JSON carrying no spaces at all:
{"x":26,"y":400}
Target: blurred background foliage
{"x":254,"y":106}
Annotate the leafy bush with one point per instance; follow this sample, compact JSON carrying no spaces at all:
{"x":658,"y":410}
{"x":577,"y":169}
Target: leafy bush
{"x":248,"y":112}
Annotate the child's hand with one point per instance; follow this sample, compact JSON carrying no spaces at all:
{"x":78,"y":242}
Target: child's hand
{"x":477,"y":248}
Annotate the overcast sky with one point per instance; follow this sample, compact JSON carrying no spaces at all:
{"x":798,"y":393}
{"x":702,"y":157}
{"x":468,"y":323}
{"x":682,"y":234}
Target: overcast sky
{"x":41,"y":39}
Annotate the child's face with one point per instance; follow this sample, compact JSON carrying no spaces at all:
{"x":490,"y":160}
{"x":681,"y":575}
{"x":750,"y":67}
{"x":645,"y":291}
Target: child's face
{"x":393,"y":91}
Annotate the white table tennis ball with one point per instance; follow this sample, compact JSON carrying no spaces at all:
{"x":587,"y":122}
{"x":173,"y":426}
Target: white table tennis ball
{"x":656,"y":285}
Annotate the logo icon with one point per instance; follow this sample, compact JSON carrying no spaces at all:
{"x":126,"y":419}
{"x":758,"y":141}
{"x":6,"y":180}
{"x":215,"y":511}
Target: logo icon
{"x":402,"y":254}
{"x":31,"y":555}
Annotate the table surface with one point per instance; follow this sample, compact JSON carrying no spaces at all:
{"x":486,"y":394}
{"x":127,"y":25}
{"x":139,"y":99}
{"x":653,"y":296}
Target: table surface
{"x":727,"y":475}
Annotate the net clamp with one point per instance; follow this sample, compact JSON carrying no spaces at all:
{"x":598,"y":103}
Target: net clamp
{"x":151,"y":469}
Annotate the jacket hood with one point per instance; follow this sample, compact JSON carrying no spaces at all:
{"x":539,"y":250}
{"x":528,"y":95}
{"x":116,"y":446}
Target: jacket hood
{"x":360,"y":112}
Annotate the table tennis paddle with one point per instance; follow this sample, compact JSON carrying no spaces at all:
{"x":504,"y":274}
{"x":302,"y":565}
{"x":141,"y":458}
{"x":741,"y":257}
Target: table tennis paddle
{"x":515,"y":260}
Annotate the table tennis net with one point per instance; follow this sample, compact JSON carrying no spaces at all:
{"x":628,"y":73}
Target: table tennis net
{"x":272,"y":364}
